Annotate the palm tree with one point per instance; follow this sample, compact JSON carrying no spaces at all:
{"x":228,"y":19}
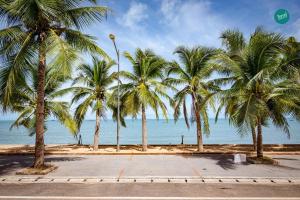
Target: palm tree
{"x":144,"y":87}
{"x":231,"y":103}
{"x":192,"y":78}
{"x":291,"y":59}
{"x":234,"y":42}
{"x":46,"y":32}
{"x":260,"y":90}
{"x":25,"y":102}
{"x":97,"y":80}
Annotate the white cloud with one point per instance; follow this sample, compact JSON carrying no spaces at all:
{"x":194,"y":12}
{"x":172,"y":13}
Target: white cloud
{"x":178,"y":23}
{"x":167,"y":7}
{"x":134,"y":15}
{"x":175,"y":23}
{"x":192,"y":22}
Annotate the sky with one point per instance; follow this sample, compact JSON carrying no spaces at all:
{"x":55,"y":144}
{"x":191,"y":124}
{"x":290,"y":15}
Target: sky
{"x":162,"y":25}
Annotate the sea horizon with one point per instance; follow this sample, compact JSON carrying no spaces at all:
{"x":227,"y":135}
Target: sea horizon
{"x":160,"y":131}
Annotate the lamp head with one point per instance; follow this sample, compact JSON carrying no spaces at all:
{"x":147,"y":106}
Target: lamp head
{"x":112,"y":36}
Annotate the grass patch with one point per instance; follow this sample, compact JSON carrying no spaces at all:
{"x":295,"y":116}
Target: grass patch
{"x":37,"y":171}
{"x":264,"y":160}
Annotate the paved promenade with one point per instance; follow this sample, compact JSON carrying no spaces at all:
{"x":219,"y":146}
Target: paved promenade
{"x":155,"y":165}
{"x":151,"y":177}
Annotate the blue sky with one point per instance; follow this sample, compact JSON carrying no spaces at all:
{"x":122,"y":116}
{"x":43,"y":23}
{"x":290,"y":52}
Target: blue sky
{"x":162,"y":25}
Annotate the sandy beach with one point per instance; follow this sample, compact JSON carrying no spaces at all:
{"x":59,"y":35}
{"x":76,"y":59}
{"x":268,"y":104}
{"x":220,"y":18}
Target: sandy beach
{"x":152,"y":149}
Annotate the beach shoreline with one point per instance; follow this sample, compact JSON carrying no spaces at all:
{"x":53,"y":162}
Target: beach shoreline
{"x":73,"y":149}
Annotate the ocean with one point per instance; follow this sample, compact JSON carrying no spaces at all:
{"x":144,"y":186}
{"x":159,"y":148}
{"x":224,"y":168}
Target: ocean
{"x":159,"y":132}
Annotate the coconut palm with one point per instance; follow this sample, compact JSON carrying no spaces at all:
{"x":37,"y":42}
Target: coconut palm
{"x":260,"y":90}
{"x":291,"y":59}
{"x":112,"y":104}
{"x":192,"y":78}
{"x":144,"y":87}
{"x":97,"y":80}
{"x":25,"y":102}
{"x":235,"y":43}
{"x":45,"y":31}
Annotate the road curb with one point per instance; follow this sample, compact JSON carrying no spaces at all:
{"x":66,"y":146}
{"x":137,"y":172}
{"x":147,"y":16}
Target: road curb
{"x":163,"y":179}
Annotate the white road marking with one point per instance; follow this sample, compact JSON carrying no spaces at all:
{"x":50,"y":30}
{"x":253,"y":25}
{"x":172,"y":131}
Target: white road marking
{"x":149,"y":198}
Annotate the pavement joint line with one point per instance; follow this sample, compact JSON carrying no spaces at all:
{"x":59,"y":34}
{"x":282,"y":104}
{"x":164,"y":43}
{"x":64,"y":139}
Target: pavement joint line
{"x":149,"y":198}
{"x":260,"y":180}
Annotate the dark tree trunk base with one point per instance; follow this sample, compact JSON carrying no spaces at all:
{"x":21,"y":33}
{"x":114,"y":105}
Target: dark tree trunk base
{"x":263,"y":160}
{"x":42,"y":170}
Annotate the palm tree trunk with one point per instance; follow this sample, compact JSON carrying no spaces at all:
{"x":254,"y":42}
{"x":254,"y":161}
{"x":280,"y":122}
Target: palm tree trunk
{"x":199,"y":131}
{"x":40,"y":115}
{"x":97,"y":129}
{"x":144,"y":129}
{"x":199,"y":128}
{"x":259,"y":139}
{"x":254,"y":138}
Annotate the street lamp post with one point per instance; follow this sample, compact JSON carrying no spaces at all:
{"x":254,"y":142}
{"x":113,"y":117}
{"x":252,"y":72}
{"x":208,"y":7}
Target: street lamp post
{"x":112,"y":37}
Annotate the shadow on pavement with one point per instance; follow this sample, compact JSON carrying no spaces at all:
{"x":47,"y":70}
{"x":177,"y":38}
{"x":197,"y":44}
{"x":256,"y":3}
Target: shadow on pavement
{"x":63,"y":159}
{"x":10,"y":164}
{"x":223,"y":160}
{"x":279,"y":158}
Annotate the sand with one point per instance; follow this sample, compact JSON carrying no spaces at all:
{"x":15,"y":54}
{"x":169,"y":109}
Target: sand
{"x":152,"y":149}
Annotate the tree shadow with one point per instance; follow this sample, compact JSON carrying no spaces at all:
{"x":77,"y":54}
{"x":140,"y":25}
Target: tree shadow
{"x":283,"y":165}
{"x":12,"y":163}
{"x":63,"y":159}
{"x":225,"y":161}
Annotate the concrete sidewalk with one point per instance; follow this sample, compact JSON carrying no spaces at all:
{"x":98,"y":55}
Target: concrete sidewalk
{"x":155,"y":165}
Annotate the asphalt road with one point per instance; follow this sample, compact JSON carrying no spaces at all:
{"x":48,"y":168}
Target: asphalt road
{"x":146,"y":190}
{"x":155,"y":165}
